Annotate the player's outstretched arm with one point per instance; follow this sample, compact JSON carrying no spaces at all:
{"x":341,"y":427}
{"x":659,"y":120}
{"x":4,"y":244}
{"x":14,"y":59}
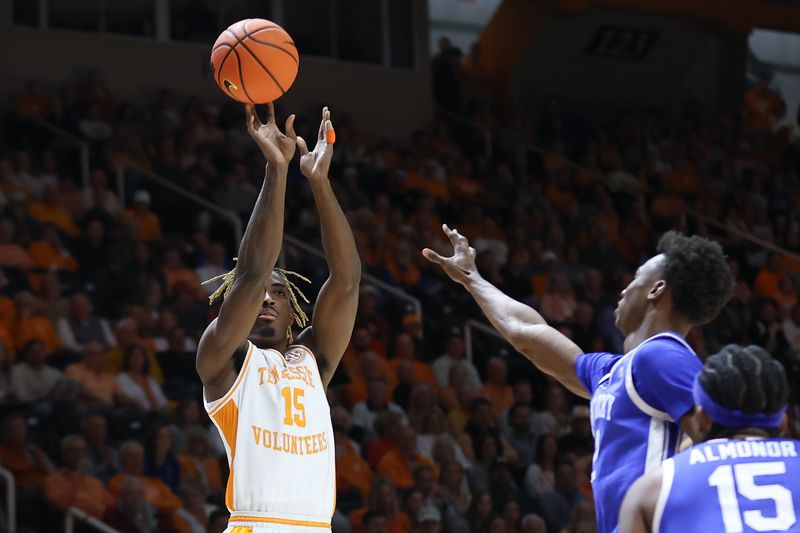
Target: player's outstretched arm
{"x":337,"y":303}
{"x":258,"y":253}
{"x":638,"y":507}
{"x":547,"y":348}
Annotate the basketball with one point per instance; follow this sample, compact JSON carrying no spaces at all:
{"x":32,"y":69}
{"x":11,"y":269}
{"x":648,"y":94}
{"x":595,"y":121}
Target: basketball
{"x":254,"y":61}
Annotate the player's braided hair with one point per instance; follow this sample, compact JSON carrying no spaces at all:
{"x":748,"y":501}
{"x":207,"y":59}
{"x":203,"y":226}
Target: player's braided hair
{"x":747,"y":379}
{"x":696,"y":271}
{"x":300,"y":317}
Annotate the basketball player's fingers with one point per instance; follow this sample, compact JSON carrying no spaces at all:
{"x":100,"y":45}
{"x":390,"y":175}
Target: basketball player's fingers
{"x":302,"y":146}
{"x":330,"y":133}
{"x":321,"y":134}
{"x":472,"y":252}
{"x":270,"y":113}
{"x":250,"y":115}
{"x":290,"y":127}
{"x":432,"y":256}
{"x":455,"y":237}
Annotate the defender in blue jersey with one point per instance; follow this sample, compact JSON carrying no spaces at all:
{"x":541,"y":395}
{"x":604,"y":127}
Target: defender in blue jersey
{"x":743,"y":478}
{"x":640,"y":401}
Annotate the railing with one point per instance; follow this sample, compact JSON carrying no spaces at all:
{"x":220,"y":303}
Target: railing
{"x":11,"y":500}
{"x":372,"y":280}
{"x":70,"y":138}
{"x":471,"y":325}
{"x":237,"y":229}
{"x":230,"y":216}
{"x":74,"y":513}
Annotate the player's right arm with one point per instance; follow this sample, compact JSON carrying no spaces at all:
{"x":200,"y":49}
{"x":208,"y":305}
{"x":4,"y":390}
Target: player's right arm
{"x":258,"y":253}
{"x":551,"y":351}
{"x":638,"y":507}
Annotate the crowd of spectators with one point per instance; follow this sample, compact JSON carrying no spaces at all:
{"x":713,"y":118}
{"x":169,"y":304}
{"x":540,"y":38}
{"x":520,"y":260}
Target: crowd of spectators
{"x":101,"y":306}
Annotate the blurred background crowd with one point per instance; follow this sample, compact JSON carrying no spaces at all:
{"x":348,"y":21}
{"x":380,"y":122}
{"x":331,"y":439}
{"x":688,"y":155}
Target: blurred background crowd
{"x":101,"y":305}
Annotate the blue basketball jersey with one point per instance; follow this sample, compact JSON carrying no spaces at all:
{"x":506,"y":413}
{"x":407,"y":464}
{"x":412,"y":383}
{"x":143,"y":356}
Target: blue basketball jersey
{"x":731,"y":486}
{"x":637,"y":402}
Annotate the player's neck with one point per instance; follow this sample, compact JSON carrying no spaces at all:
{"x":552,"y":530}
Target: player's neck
{"x":265,"y":343}
{"x":654,"y":323}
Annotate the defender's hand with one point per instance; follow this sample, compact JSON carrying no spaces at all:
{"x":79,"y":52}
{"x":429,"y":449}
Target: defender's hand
{"x":278,"y":148}
{"x":315,"y":164}
{"x":461,"y":265}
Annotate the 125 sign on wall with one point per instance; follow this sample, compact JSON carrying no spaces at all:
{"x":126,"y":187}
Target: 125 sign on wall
{"x":617,"y":42}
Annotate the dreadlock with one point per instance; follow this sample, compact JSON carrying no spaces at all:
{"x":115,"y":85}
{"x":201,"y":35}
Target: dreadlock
{"x":747,"y":379}
{"x":300,"y":316}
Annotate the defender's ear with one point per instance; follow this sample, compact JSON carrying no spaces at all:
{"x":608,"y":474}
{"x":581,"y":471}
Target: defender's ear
{"x":657,"y":290}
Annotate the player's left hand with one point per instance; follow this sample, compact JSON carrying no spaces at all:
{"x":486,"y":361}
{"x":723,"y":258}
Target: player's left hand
{"x":315,"y":164}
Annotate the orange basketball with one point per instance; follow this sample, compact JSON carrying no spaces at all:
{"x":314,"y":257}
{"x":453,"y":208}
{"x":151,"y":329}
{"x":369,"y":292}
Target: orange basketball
{"x":254,"y":61}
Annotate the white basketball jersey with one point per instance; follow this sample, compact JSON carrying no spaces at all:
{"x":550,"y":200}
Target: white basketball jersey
{"x":276,"y":425}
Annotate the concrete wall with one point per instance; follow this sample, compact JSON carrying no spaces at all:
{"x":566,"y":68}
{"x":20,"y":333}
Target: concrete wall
{"x":388,"y":102}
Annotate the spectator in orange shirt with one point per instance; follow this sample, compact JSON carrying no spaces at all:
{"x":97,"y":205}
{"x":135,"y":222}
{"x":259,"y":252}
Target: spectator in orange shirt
{"x":404,"y":350}
{"x":176,"y":272}
{"x":382,"y":502}
{"x":497,"y":390}
{"x":193,"y":516}
{"x":353,"y":474}
{"x":147,"y":223}
{"x":768,"y":280}
{"x":33,"y":325}
{"x":49,"y":252}
{"x":198,"y":463}
{"x":49,"y":210}
{"x":71,"y":487}
{"x":133,"y":512}
{"x":399,"y":464}
{"x":158,"y":494}
{"x":99,"y":386}
{"x":11,"y":253}
{"x":127,"y":333}
{"x":26,"y":461}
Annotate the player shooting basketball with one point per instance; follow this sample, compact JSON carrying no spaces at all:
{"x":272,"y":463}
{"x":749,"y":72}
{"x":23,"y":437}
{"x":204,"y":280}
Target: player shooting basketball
{"x":264,"y":392}
{"x":642,"y":400}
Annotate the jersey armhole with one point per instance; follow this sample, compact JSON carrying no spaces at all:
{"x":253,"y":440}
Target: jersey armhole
{"x":636,"y":398}
{"x":667,"y":475}
{"x":213,"y":406}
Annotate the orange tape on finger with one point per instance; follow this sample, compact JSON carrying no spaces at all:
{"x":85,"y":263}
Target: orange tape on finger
{"x":330,"y":133}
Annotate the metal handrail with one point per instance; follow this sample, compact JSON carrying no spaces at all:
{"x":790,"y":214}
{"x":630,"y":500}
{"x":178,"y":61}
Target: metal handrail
{"x":230,"y":216}
{"x":399,"y":293}
{"x":471,"y":324}
{"x":11,"y":500}
{"x":75,"y":513}
{"x":71,"y":138}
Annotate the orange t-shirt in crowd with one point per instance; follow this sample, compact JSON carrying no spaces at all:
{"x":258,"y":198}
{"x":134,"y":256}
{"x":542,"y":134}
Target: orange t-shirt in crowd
{"x":207,"y":470}
{"x":28,"y":473}
{"x":501,"y":397}
{"x":14,"y":255}
{"x":762,"y":109}
{"x":422,"y":372}
{"x":767,"y":282}
{"x":39,"y":328}
{"x":148,"y":224}
{"x":396,"y":467}
{"x":56,"y":215}
{"x":102,"y":385}
{"x":158,"y":493}
{"x":352,"y":470}
{"x":44,"y":255}
{"x":399,"y":523}
{"x":67,"y":489}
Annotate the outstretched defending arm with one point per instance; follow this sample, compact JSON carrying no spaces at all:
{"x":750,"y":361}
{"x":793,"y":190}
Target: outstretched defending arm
{"x":526,"y":330}
{"x":258,"y":253}
{"x":337,"y":303}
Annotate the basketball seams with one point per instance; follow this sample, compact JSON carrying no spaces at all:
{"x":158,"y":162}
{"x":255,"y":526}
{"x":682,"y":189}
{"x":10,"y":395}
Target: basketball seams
{"x":241,"y":78}
{"x":241,"y":41}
